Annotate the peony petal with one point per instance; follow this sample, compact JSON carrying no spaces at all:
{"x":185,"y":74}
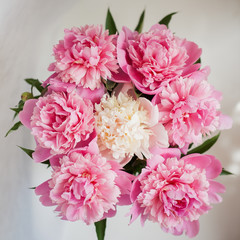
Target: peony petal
{"x":41,"y":154}
{"x":192,"y":228}
{"x":225,"y":122}
{"x":120,"y":77}
{"x":152,"y":111}
{"x":193,"y":51}
{"x":166,"y":152}
{"x":43,"y":190}
{"x":122,"y":57}
{"x":214,"y":169}
{"x":216,"y":187}
{"x":159,"y":136}
{"x":198,"y":160}
{"x":93,"y":95}
{"x":27,"y":112}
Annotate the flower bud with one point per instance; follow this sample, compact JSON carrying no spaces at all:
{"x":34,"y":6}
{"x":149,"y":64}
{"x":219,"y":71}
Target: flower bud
{"x":26,"y":95}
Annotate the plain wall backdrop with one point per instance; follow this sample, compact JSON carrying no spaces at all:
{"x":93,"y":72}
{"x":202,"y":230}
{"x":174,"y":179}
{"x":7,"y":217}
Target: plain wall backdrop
{"x":28,"y":31}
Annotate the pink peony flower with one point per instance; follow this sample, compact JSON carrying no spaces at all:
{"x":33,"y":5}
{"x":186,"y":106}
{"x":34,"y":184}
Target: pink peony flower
{"x":86,"y":55}
{"x":189,"y":108}
{"x":153,"y":58}
{"x":175,"y":192}
{"x":85,"y":186}
{"x":59,"y":122}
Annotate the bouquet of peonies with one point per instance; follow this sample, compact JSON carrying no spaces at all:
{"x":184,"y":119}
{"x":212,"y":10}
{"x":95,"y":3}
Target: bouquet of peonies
{"x":121,"y":121}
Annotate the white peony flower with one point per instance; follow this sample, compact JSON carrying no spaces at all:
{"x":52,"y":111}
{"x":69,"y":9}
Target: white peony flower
{"x":126,"y":127}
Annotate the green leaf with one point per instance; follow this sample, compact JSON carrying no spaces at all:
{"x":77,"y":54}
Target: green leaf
{"x":100,"y":229}
{"x":35,"y":83}
{"x":166,"y":20}
{"x":135,"y":166}
{"x":14,"y":128}
{"x":29,"y":152}
{"x":139,"y":27}
{"x":205,"y":146}
{"x":18,"y":108}
{"x":225,"y":172}
{"x":110,"y":24}
{"x":198,"y":61}
{"x":47,"y":162}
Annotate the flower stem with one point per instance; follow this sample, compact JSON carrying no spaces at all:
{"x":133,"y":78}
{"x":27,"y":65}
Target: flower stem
{"x":100,"y":229}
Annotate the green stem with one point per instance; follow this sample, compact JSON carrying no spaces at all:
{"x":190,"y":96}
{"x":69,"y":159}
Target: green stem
{"x":100,"y":229}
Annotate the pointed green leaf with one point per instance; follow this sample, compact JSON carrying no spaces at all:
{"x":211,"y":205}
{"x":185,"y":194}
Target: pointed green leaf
{"x":198,"y":61}
{"x":166,"y":20}
{"x":18,"y":108}
{"x":110,"y":24}
{"x":47,"y":162}
{"x":205,"y":146}
{"x":100,"y":229}
{"x":225,"y":172}
{"x":35,"y":83}
{"x":139,"y":27}
{"x":14,"y":128}
{"x":29,"y":152}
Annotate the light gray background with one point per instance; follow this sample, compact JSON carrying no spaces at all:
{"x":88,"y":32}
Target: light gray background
{"x":29,"y":29}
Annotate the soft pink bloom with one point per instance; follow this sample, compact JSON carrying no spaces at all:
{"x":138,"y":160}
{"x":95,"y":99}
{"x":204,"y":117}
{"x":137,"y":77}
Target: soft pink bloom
{"x":85,"y":186}
{"x":59,"y":122}
{"x":86,"y":55}
{"x":189,"y":108}
{"x":153,"y":58}
{"x":176,"y":191}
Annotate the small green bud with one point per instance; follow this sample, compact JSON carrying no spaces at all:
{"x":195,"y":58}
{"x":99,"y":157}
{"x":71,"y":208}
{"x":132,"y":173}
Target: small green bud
{"x":26,"y":95}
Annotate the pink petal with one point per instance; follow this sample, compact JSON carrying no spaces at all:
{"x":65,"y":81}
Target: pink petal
{"x":135,"y":190}
{"x":192,"y":228}
{"x":124,"y":200}
{"x":200,"y":161}
{"x":93,"y":95}
{"x":216,"y":187}
{"x":159,"y":27}
{"x":41,"y":154}
{"x":120,"y":77}
{"x":43,"y":190}
{"x":27,"y":112}
{"x":166,"y":152}
{"x":121,"y":47}
{"x":159,"y":137}
{"x":190,"y":69}
{"x":214,"y":169}
{"x":201,"y":74}
{"x":225,"y":122}
{"x":194,"y":52}
{"x":109,"y":214}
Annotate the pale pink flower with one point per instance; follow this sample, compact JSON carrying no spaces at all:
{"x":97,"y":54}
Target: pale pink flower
{"x":176,"y":191}
{"x":153,"y":58}
{"x":59,"y":122}
{"x":86,"y":55}
{"x":127,"y":126}
{"x":85,"y":186}
{"x":189,"y":108}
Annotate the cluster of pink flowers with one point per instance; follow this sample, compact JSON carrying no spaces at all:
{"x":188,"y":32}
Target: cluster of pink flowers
{"x":90,"y":134}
